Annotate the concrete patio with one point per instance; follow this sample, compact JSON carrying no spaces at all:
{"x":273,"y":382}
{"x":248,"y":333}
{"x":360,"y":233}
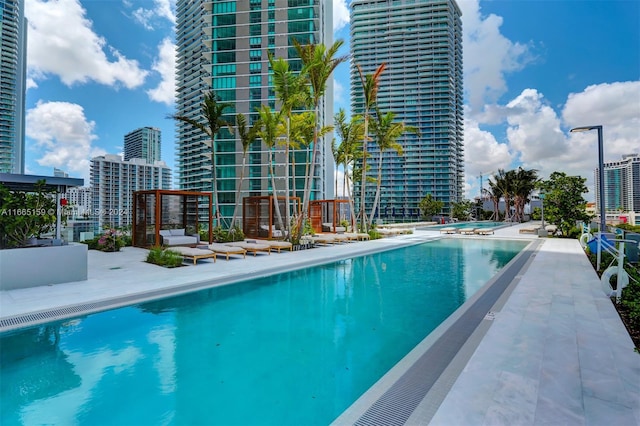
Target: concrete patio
{"x":552,"y":350}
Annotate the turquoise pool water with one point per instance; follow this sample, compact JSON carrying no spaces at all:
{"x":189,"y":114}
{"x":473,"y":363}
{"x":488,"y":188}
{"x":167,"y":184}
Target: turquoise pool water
{"x":459,"y":225}
{"x":290,"y":349}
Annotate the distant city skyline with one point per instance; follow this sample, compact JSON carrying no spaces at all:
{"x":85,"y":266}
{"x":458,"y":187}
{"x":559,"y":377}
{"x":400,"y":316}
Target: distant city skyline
{"x":525,"y":85}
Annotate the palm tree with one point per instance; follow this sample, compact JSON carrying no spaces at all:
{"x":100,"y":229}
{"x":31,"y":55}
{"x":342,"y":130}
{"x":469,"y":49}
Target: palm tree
{"x":348,"y":151}
{"x":370,"y":84}
{"x":247,"y":136}
{"x":524,"y":184}
{"x":318,"y":62}
{"x":293,"y":93}
{"x":269,"y":131}
{"x":496,"y":191}
{"x":387,"y":133}
{"x":212,"y":113}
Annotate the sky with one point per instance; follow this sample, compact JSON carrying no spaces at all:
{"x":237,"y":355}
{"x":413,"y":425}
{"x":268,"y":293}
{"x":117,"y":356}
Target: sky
{"x":533,"y":69}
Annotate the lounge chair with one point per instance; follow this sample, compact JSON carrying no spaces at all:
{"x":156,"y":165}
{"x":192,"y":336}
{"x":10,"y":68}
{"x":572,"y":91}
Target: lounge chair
{"x":467,"y":231}
{"x":251,"y":246}
{"x":484,"y":231}
{"x":276,"y":245}
{"x":529,"y":230}
{"x":356,"y":236}
{"x":193,"y":253}
{"x":322,"y":239}
{"x":337,"y":238}
{"x":448,"y":230}
{"x":227,"y":250}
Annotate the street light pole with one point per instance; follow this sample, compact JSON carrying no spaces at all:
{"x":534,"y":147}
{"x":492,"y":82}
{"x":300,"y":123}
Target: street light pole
{"x":603,"y":211}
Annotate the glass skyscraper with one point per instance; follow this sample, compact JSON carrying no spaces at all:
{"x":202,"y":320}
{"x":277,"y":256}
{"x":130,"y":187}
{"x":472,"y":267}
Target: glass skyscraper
{"x":13,"y":50}
{"x":621,"y":184}
{"x":421,"y":43}
{"x":223,"y":46}
{"x":145,"y":143}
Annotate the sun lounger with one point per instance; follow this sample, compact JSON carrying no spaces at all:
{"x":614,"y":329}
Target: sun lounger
{"x":485,"y":231}
{"x":277,"y":245}
{"x":338,"y":238}
{"x":193,"y":253}
{"x":251,"y":246}
{"x":529,"y":230}
{"x":356,"y":236}
{"x":448,"y":230}
{"x":468,"y":231}
{"x":227,"y":250}
{"x":322,"y":239}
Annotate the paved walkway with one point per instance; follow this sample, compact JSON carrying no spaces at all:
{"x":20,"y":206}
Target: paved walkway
{"x":556,"y":352}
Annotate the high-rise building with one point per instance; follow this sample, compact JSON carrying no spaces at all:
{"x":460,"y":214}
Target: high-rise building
{"x":143,"y":143}
{"x":621,"y":184}
{"x":13,"y":63}
{"x":421,"y":43}
{"x":223,"y":47}
{"x":113,"y":182}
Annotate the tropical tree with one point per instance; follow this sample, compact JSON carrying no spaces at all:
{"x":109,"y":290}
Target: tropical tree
{"x":348,"y":151}
{"x":430,"y":207}
{"x":269,"y":131}
{"x":522,"y":187}
{"x":318,"y":62}
{"x":564,"y":204}
{"x":495,"y":191}
{"x":213,"y":117}
{"x":462,"y":210}
{"x":293,"y":93}
{"x":387,"y":131}
{"x":247,"y":136}
{"x":370,"y":84}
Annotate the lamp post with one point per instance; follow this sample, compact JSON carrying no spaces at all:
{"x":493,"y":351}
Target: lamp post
{"x":603,"y":212}
{"x":541,"y":195}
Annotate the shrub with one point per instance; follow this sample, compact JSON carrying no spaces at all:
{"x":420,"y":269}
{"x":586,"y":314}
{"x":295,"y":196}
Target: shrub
{"x":227,"y":235}
{"x":374,"y":234}
{"x":166,"y":258}
{"x":110,"y":240}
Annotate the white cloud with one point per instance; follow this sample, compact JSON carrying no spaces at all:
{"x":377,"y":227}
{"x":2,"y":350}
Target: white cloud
{"x":488,"y":55}
{"x":539,"y":137}
{"x":63,"y":137}
{"x":62,"y":42}
{"x":484,"y":154}
{"x":340,"y":14}
{"x":163,"y":9}
{"x":165,"y":65}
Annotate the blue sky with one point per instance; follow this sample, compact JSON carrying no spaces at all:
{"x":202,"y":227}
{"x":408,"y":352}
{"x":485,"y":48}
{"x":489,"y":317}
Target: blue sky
{"x":98,"y":69}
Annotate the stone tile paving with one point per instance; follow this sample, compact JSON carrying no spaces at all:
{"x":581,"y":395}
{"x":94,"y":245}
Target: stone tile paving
{"x":557,"y":353}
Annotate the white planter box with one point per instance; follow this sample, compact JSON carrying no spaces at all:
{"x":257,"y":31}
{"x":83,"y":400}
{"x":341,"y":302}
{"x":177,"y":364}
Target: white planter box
{"x":36,"y":266}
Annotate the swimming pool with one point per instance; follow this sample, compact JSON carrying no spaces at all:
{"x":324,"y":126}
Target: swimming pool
{"x":294,"y":348}
{"x":459,"y":225}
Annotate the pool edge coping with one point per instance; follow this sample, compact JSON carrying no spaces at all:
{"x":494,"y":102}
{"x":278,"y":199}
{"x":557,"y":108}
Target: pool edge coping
{"x":431,"y":401}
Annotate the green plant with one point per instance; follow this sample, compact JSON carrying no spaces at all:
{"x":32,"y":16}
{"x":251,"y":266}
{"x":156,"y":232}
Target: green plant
{"x":222,"y":235}
{"x":25,"y":214}
{"x":374,"y":234}
{"x":166,"y":258}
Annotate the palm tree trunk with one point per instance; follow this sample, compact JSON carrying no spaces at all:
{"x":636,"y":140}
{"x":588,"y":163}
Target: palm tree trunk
{"x":363,"y":215}
{"x":287,"y":199}
{"x":310,"y":177}
{"x":275,"y":194}
{"x":354,"y":219}
{"x":214,"y":181}
{"x":235,"y":209}
{"x":377,"y":197}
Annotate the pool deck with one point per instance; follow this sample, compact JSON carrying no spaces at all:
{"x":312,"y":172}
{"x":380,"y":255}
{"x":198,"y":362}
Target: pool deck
{"x":552,"y":351}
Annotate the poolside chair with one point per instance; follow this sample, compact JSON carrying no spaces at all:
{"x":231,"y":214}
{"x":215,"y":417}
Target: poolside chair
{"x":227,"y":250}
{"x":322,"y":239}
{"x":193,"y":253}
{"x":337,"y":238}
{"x":356,"y":236}
{"x":468,"y":231}
{"x":251,"y":246}
{"x":277,"y":245}
{"x":448,"y":230}
{"x":484,"y":231}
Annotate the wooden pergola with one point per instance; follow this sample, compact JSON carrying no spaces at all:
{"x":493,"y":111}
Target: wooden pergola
{"x":157,"y":209}
{"x":328,"y":211}
{"x":259,"y":215}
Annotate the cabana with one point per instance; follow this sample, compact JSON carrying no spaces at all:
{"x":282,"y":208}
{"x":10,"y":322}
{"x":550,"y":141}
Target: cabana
{"x":161,"y":209}
{"x":259,"y":215}
{"x":326,"y":215}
